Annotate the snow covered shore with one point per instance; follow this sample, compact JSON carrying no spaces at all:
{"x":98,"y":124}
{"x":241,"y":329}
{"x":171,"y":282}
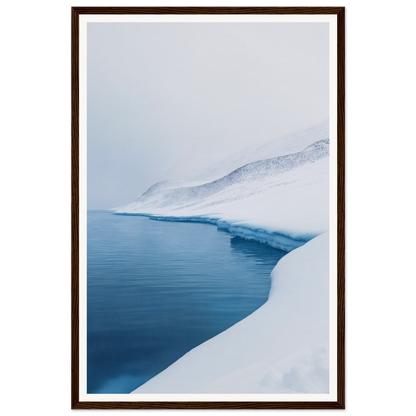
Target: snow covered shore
{"x":282,"y":201}
{"x":280,"y":348}
{"x":243,"y":229}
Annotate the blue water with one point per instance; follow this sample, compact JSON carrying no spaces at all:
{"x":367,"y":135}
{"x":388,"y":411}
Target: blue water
{"x":157,"y":289}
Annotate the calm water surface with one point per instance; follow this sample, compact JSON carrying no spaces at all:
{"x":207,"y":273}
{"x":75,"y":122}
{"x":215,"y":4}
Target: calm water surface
{"x":157,"y":289}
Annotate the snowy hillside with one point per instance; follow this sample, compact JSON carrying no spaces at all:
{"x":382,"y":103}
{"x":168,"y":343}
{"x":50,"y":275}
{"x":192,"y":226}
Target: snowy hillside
{"x":278,"y":196}
{"x":175,"y":195}
{"x":285,"y":195}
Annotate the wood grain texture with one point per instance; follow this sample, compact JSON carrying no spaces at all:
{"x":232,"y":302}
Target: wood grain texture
{"x":208,"y":10}
{"x":208,"y":405}
{"x":75,"y":209}
{"x":341,"y":207}
{"x":75,"y":403}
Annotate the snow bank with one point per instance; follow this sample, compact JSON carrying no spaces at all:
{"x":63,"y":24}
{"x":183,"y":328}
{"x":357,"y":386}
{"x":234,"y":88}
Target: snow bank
{"x":280,"y":348}
{"x":243,"y":229}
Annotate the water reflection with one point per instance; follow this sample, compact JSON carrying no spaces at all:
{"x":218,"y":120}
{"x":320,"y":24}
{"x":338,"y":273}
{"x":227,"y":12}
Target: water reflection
{"x":262,"y":253}
{"x":155,"y":290}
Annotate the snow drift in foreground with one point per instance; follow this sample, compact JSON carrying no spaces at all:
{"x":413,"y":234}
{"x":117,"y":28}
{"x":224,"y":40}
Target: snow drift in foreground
{"x":280,"y":348}
{"x":281,"y":200}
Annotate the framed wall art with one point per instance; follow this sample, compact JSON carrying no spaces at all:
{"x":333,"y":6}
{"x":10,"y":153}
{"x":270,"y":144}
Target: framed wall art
{"x":208,"y":207}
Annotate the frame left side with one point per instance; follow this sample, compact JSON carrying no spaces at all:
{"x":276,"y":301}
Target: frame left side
{"x":75,"y":209}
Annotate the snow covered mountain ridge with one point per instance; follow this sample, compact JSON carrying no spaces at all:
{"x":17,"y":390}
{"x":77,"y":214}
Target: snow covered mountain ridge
{"x":177,"y":194}
{"x":203,"y":162}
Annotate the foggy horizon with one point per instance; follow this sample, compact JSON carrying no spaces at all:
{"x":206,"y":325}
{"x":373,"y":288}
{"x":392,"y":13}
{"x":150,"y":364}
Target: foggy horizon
{"x":157,"y":89}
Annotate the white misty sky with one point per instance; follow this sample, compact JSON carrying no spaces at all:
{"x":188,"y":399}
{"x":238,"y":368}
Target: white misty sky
{"x":156,"y":89}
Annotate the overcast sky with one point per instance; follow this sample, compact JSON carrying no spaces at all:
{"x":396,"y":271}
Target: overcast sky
{"x":156,"y":89}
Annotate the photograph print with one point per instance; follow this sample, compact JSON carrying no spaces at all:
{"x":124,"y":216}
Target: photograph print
{"x":207,"y":209}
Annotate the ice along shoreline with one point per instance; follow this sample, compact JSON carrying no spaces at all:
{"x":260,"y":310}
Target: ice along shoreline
{"x":242,"y":229}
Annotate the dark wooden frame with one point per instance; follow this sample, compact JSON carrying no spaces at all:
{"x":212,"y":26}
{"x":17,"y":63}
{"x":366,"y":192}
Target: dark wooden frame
{"x":340,"y":13}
